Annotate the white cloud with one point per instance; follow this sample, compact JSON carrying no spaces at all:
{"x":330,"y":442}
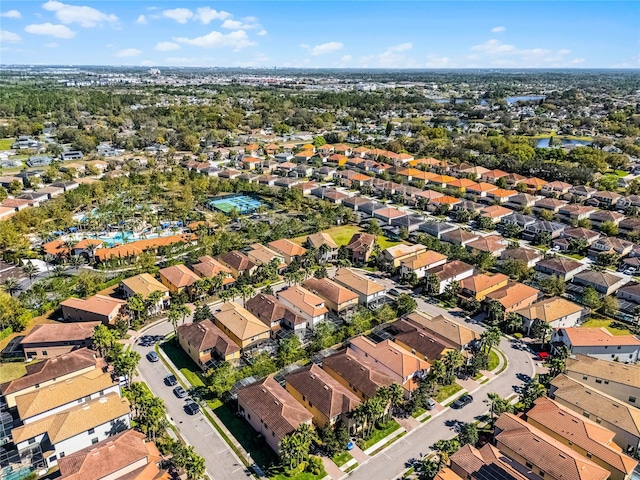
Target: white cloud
{"x":262,"y":33}
{"x":207,"y":14}
{"x":180,"y":15}
{"x":237,"y":40}
{"x":436,"y":61}
{"x":86,"y":17}
{"x":9,"y":37}
{"x":11,"y":14}
{"x":498,"y":29}
{"x":147,"y":63}
{"x":142,"y":20}
{"x":167,"y":46}
{"x":395,"y":57}
{"x":494,"y":53}
{"x":403,"y":47}
{"x":323,"y":48}
{"x":129,"y":52}
{"x":346,"y":58}
{"x":58,"y":31}
{"x":248,"y":24}
{"x":51,"y":45}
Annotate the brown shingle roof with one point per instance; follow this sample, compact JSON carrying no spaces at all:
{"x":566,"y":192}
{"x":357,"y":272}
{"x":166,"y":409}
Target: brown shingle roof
{"x":594,"y":337}
{"x":581,"y":432}
{"x":486,"y":463}
{"x":205,"y":336}
{"x":210,"y":267}
{"x":275,"y":406}
{"x":99,"y":304}
{"x":287,"y":247}
{"x":109,"y":456}
{"x":358,"y":371}
{"x":357,"y":283}
{"x":362,"y":241}
{"x":329,"y":290}
{"x":450,"y":269}
{"x":53,"y":368}
{"x":423,"y":259}
{"x":445,"y":330}
{"x":419,"y":340}
{"x":545,"y":452}
{"x":236,"y":260}
{"x":319,"y":239}
{"x":513,"y":293}
{"x":60,"y":332}
{"x":179,"y":275}
{"x":269,"y":309}
{"x":304,"y":300}
{"x":626,"y":374}
{"x":482,"y":281}
{"x":323,"y":391}
{"x":242,"y":323}
{"x":549,"y":309}
{"x":144,"y":284}
{"x":76,"y":420}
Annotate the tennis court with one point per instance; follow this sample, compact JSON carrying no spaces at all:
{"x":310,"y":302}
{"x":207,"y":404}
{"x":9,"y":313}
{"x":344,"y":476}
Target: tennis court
{"x":243,"y":203}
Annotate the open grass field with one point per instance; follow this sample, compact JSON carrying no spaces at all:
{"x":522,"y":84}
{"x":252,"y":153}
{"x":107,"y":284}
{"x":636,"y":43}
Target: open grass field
{"x":606,"y":323}
{"x":342,"y":234}
{"x":5,"y":143}
{"x":11,"y":371}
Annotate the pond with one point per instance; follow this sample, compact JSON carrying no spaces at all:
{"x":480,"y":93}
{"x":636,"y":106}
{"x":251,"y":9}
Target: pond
{"x":544,"y":142}
{"x":525,"y":98}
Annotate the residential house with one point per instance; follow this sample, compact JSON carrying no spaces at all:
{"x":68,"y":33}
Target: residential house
{"x":261,"y":255}
{"x":144,"y":285}
{"x":629,"y":224}
{"x":492,"y":176}
{"x":459,"y":237}
{"x":481,"y":189}
{"x":421,"y":262}
{"x":34,"y":199}
{"x":534,"y":184}
{"x":360,"y":247}
{"x":271,"y":411}
{"x":369,"y":292}
{"x":209,"y":267}
{"x":98,"y":308}
{"x":387,"y":214}
{"x":53,"y":339}
{"x":600,"y":217}
{"x":557,"y":187}
{"x":607,"y":411}
{"x":630,"y":291}
{"x":396,"y":254}
{"x":444,"y":330}
{"x":495,"y":212}
{"x":479,"y":285}
{"x":437,"y":229}
{"x":580,"y":233}
{"x":204,"y":341}
{"x":581,"y":435}
{"x":599,"y":343}
{"x":418,"y":341}
{"x":491,"y":244}
{"x":562,"y":267}
{"x":574,"y":212}
{"x":501,"y":195}
{"x":287,"y":249}
{"x":274,"y":314}
{"x":178,"y":278}
{"x":356,"y":372}
{"x":317,"y":240}
{"x":528,"y":256}
{"x":50,"y":371}
{"x":125,"y":455}
{"x":74,"y":429}
{"x":607,"y":199}
{"x":401,"y":365}
{"x":453,"y":271}
{"x":518,"y":219}
{"x":337,"y":298}
{"x":552,"y":205}
{"x":521,"y":201}
{"x":239,"y":263}
{"x":470,"y":463}
{"x":541,"y":453}
{"x":555,"y":312}
{"x":612,"y":245}
{"x":513,"y":296}
{"x":617,"y":379}
{"x":468,"y":206}
{"x":327,"y":399}
{"x":542,"y":227}
{"x":241,"y":325}
{"x":309,"y":306}
{"x":604,"y":282}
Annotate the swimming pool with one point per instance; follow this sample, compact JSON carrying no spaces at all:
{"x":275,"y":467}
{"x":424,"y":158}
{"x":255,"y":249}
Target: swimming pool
{"x":243,"y":203}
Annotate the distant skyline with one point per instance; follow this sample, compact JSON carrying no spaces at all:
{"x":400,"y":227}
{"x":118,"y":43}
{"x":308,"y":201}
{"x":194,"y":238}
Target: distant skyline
{"x":322,"y":34}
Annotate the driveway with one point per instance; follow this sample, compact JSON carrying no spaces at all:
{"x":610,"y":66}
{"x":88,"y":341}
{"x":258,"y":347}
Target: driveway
{"x":390,"y":464}
{"x":220,"y":461}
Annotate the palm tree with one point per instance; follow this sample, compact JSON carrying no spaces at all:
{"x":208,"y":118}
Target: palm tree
{"x":246,"y":291}
{"x":453,"y":360}
{"x":75,"y":261}
{"x":489,"y":339}
{"x":29,"y":270}
{"x":68,"y":246}
{"x":11,"y":286}
{"x":58,"y":270}
{"x":174,"y":316}
{"x":395,"y":394}
{"x":153,"y":301}
{"x":200,"y":287}
{"x":226,"y":295}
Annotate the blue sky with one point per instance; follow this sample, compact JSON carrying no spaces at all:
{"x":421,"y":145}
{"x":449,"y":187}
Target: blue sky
{"x":307,"y":33}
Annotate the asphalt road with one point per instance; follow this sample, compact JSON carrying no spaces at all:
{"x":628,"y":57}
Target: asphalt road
{"x":220,"y":461}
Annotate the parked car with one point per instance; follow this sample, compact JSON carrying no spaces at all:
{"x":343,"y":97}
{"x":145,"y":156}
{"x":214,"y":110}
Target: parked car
{"x":461,"y":402}
{"x":394,"y":293}
{"x":180,"y":392}
{"x":170,"y":380}
{"x":191,"y":408}
{"x":431,"y":404}
{"x":152,"y":357}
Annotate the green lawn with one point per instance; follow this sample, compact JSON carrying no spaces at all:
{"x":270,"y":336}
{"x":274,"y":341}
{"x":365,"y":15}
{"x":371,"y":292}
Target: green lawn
{"x":418,"y":412}
{"x":301,"y":476}
{"x":341,"y":458}
{"x":183,"y":362}
{"x":446,"y":391}
{"x":12,"y":370}
{"x":494,"y":360}
{"x":246,"y":436}
{"x":5,"y":143}
{"x":606,"y":323}
{"x":379,"y":433}
{"x":621,"y":173}
{"x":342,"y":234}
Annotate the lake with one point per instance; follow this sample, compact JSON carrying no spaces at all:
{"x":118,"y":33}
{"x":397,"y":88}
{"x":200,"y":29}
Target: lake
{"x":544,"y":142}
{"x":525,"y":98}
